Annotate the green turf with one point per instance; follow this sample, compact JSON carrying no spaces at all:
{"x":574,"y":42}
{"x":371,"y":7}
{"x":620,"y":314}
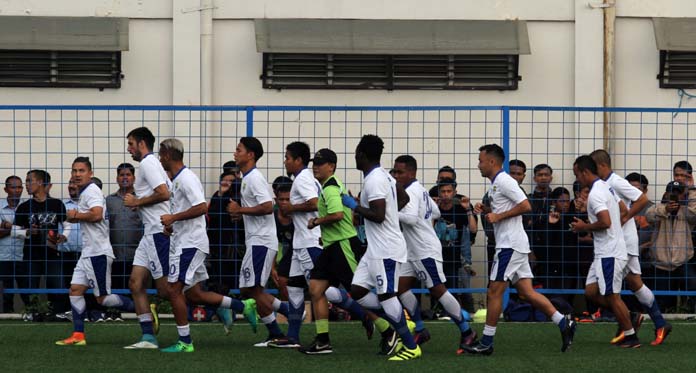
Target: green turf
{"x":519,"y":347}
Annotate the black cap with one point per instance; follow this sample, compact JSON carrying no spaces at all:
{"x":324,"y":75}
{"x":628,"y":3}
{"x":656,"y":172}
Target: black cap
{"x":230,"y":166}
{"x":324,"y":156}
{"x":675,"y":187}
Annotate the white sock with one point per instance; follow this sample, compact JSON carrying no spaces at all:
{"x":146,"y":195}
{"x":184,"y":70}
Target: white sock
{"x":268,"y":319}
{"x":393,"y":308}
{"x":184,"y":330}
{"x":145,"y":317}
{"x":629,"y":332}
{"x":276,"y":304}
{"x":112,"y":300}
{"x":78,"y":303}
{"x":409,"y":301}
{"x":333,"y":295}
{"x":556,"y":317}
{"x":645,"y":296}
{"x":226,"y":302}
{"x":451,"y":306}
{"x":489,"y":330}
{"x":296,"y":296}
{"x":370,"y":301}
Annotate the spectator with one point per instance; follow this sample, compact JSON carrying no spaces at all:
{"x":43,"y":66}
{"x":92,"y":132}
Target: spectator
{"x":645,"y":228}
{"x":674,"y":219}
{"x":226,"y":235}
{"x":562,"y":249}
{"x":537,"y":222}
{"x":456,"y":219}
{"x":10,"y":242}
{"x":125,"y":229}
{"x":42,"y":216}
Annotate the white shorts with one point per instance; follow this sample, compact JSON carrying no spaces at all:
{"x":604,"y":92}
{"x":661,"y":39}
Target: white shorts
{"x":153,"y":254}
{"x":256,"y":266}
{"x":608,"y":273}
{"x":381,"y":274}
{"x":94,"y":272}
{"x":303,"y":261}
{"x":510,"y":265}
{"x":633,"y":265}
{"x":428,"y":271}
{"x":188,"y":267}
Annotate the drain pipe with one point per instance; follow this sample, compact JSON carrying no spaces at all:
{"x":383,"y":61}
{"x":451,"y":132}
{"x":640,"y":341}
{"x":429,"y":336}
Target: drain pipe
{"x":609,"y":37}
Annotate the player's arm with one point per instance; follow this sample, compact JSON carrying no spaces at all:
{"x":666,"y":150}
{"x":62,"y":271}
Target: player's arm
{"x":307,"y":206}
{"x":402,"y":197}
{"x":603,"y":222}
{"x":473,"y":222}
{"x":264,"y":208}
{"x":636,"y":207}
{"x":160,"y":194}
{"x":193,"y":212}
{"x":519,"y":209}
{"x":93,"y":215}
{"x":409,"y":214}
{"x":375,"y":213}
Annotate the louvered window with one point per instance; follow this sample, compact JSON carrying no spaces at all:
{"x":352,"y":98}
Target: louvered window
{"x":677,"y":69}
{"x":365,"y":71}
{"x":87,"y":69}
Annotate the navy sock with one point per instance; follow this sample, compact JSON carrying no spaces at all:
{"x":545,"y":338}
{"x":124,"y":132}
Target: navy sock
{"x":284,"y":309}
{"x":127,"y":304}
{"x":237,"y":305}
{"x":273,"y":328}
{"x":295,"y":321}
{"x":147,"y":328}
{"x":487,"y":340}
{"x":348,"y":304}
{"x":656,"y":315}
{"x":78,"y":320}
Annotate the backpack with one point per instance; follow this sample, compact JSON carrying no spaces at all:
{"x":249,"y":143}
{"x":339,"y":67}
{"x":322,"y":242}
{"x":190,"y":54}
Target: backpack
{"x":517,"y":310}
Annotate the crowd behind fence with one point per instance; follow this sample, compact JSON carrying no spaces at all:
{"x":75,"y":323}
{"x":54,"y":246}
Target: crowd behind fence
{"x":647,"y":142}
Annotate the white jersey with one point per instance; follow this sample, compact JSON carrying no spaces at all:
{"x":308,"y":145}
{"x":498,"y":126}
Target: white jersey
{"x":149,"y":176}
{"x":384,"y":240}
{"x":608,"y":243}
{"x":304,"y":188}
{"x":627,"y":193}
{"x":417,"y":224}
{"x":95,"y":236}
{"x":187,"y":192}
{"x":259,"y":230}
{"x":505,"y":194}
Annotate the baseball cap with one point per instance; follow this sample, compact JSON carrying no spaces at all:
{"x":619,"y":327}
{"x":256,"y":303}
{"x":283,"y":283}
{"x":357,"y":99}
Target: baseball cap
{"x":324,"y":156}
{"x":675,"y":187}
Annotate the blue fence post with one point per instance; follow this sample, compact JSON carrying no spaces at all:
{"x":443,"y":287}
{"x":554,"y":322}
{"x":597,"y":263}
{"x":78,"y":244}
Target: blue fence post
{"x":506,"y":166}
{"x":250,"y":121}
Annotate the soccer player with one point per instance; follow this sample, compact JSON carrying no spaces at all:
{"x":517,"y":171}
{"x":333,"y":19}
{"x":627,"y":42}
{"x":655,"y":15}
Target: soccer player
{"x":604,"y":279}
{"x":152,"y":255}
{"x":636,"y":201}
{"x":424,"y":254}
{"x":260,"y":232}
{"x":511,"y":263}
{"x":380,"y":200}
{"x":190,"y":247}
{"x":93,"y":269}
{"x":304,"y":194}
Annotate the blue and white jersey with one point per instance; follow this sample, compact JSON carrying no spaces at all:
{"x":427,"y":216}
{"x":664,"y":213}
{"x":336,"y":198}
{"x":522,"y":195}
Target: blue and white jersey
{"x":187,"y":191}
{"x":148,"y":177}
{"x":608,"y":243}
{"x":304,"y":188}
{"x":417,"y":224}
{"x":95,"y":235}
{"x":384,"y":240}
{"x":505,"y":194}
{"x":258,"y":230}
{"x":627,"y":193}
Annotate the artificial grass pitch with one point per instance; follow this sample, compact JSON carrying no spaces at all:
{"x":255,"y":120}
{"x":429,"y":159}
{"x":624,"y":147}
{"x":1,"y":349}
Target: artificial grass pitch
{"x":519,"y":347}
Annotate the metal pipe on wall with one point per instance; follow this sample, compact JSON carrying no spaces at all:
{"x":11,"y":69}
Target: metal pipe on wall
{"x":609,"y":37}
